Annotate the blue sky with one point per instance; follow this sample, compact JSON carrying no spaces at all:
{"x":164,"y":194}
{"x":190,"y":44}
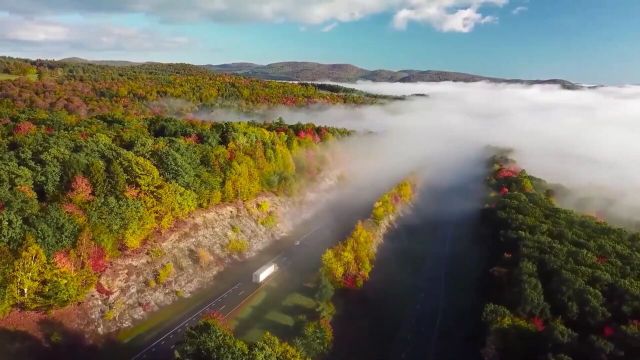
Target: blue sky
{"x":591,"y":41}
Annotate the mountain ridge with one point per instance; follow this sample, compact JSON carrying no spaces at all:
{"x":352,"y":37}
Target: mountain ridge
{"x":345,"y":73}
{"x":312,"y":71}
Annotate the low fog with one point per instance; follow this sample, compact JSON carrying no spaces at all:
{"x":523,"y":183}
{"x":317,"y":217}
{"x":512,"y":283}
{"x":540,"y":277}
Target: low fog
{"x":586,"y":140}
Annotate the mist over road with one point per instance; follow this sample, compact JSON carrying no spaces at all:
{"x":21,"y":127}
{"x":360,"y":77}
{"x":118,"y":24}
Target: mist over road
{"x":424,"y":298}
{"x":586,"y":140}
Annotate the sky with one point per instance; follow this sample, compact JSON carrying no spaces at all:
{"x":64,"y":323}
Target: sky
{"x":587,"y":41}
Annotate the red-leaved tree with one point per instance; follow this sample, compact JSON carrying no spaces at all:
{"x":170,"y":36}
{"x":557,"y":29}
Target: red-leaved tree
{"x":98,"y":259}
{"x":81,"y":189}
{"x":538,"y":323}
{"x":63,"y":261}
{"x":24,"y":128}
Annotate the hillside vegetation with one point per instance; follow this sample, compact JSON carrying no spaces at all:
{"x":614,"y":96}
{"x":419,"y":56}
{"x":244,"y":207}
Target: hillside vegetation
{"x":89,"y":172}
{"x":84,"y":90}
{"x":565,"y":285}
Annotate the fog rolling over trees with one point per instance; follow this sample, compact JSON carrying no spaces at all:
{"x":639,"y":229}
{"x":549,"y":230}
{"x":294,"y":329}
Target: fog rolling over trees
{"x":586,"y":140}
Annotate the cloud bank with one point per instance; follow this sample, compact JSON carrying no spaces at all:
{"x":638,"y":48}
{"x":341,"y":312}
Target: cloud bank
{"x":443,"y":15}
{"x":38,"y":34}
{"x":585,"y":140}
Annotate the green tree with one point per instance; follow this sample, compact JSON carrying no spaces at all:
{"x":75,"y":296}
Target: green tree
{"x":316,"y":339}
{"x":270,"y":347}
{"x":29,"y":271}
{"x":209,"y":340}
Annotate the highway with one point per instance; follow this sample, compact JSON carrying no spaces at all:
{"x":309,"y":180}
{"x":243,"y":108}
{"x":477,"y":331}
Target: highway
{"x":443,"y":320}
{"x":234,"y":286}
{"x":224,"y":304}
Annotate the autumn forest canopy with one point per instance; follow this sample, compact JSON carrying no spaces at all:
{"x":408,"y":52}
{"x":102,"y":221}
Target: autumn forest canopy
{"x":85,"y":90}
{"x":96,"y":160}
{"x":564,"y":285}
{"x":91,"y":167}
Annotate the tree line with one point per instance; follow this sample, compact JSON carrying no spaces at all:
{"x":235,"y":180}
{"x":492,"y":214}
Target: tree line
{"x":348,"y":264}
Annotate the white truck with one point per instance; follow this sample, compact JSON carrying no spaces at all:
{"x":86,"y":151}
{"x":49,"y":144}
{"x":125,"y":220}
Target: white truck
{"x":261,"y":274}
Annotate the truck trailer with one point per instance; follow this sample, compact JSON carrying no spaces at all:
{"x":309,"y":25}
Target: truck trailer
{"x":261,"y":274}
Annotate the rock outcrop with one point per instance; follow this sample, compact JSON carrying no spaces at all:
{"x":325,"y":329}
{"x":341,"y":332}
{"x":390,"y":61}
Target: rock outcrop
{"x":190,"y":255}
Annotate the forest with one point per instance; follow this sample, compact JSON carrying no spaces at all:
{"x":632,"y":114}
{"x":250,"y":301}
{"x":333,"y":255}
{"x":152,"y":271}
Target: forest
{"x":84,"y":90}
{"x":563,"y":285}
{"x":91,"y":170}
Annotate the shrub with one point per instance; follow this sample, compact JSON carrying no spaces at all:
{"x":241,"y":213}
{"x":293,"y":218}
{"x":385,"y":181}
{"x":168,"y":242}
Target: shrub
{"x":237,"y":246}
{"x":270,"y":221}
{"x":56,"y":337}
{"x":156,"y":252}
{"x":204,"y":257}
{"x":164,"y":273}
{"x":263,"y":206}
{"x":109,"y":314}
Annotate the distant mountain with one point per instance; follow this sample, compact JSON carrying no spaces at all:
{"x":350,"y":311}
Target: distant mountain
{"x":294,"y":71}
{"x":310,"y":71}
{"x":78,"y":60}
{"x":234,"y":67}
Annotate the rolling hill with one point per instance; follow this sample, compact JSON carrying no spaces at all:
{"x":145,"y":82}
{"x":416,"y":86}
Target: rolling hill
{"x":310,"y":71}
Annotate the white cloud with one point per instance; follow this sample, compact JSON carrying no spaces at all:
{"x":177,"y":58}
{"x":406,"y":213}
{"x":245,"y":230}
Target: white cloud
{"x":444,"y":15}
{"x":329,"y":27}
{"x":519,"y":9}
{"x":33,"y":31}
{"x":22,"y":33}
{"x":439,"y":14}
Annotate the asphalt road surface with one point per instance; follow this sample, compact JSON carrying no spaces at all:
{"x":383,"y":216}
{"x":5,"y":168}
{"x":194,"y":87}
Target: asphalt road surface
{"x":422,"y":300}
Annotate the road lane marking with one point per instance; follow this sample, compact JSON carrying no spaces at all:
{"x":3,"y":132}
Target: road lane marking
{"x":179,"y":326}
{"x":185,"y":323}
{"x":309,"y":233}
